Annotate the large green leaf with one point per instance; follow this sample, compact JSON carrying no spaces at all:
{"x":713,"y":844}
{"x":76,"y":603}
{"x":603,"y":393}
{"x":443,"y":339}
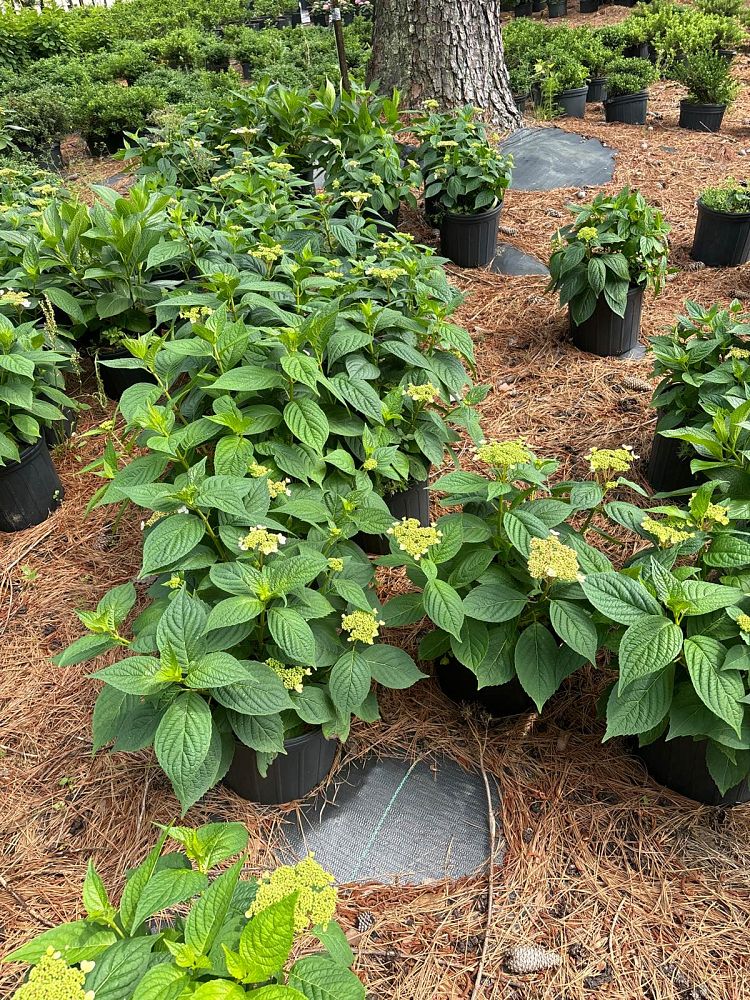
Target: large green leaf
{"x":321,"y":978}
{"x":641,"y":706}
{"x":536,"y":663}
{"x":120,"y":968}
{"x":267,"y":939}
{"x":444,"y":606}
{"x":575,"y":627}
{"x":725,"y":772}
{"x":391,"y":666}
{"x":647,"y":646}
{"x":134,"y":675}
{"x":183,"y":738}
{"x":720,"y":690}
{"x":350,"y":681}
{"x":169,"y":540}
{"x":260,"y":693}
{"x":292,"y":634}
{"x":208,"y":913}
{"x":307,"y":422}
{"x":181,"y":627}
{"x":494,"y":602}
{"x":619,"y":597}
{"x":167,"y":888}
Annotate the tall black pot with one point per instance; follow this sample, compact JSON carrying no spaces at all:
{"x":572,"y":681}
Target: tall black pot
{"x":572,"y":102}
{"x":460,"y":685}
{"x":522,"y":9}
{"x":29,"y":489}
{"x":629,"y":109}
{"x":291,"y":776}
{"x":470,"y":240}
{"x":59,"y":432}
{"x":116,"y":380}
{"x":680,"y":765}
{"x":701,"y":117}
{"x":597,"y":90}
{"x":412,"y":502}
{"x":607,"y":334}
{"x":589,"y":6}
{"x":722,"y":239}
{"x":557,"y":8}
{"x":520,"y":102}
{"x":669,"y":464}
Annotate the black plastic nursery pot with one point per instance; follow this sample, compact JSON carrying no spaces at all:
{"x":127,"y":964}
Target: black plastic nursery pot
{"x":557,"y":8}
{"x":607,"y":334}
{"x":59,"y":432}
{"x":259,"y":23}
{"x":680,"y":765}
{"x":669,"y":464}
{"x":589,"y":6}
{"x":520,"y":102}
{"x":701,"y":117}
{"x":218,"y":65}
{"x":722,"y":239}
{"x":597,"y":90}
{"x":573,"y":102}
{"x":629,"y":109}
{"x":537,"y":5}
{"x":319,"y":20}
{"x":460,"y":685}
{"x":284,"y":21}
{"x":29,"y":490}
{"x":411,"y":502}
{"x":727,"y":54}
{"x":291,"y":776}
{"x":116,"y":380}
{"x":101,"y":144}
{"x":470,"y":240}
{"x":523,"y":9}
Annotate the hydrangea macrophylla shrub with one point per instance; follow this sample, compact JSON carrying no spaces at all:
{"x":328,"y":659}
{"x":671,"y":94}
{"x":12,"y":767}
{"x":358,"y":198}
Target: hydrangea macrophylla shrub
{"x":501,"y":579}
{"x":231,"y":938}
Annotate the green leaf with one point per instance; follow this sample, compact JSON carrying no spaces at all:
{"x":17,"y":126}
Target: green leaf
{"x":233,"y":611}
{"x":208,"y":913}
{"x":222,"y":989}
{"x":76,"y":941}
{"x":575,"y":627}
{"x":720,"y":690}
{"x":134,"y":675}
{"x":137,"y":882}
{"x":169,"y":540}
{"x":619,"y":597}
{"x":727,"y":551}
{"x":335,"y":943}
{"x":162,"y":982}
{"x":406,"y":609}
{"x":85,"y":648}
{"x":641,"y":706}
{"x":264,"y":733}
{"x":726,"y":773}
{"x":391,"y":666}
{"x":471,"y":649}
{"x":321,"y":978}
{"x":647,"y":646}
{"x":444,"y":606}
{"x":261,"y":693}
{"x":120,"y":969}
{"x":266,"y":940}
{"x":350,"y":681}
{"x":313,"y":705}
{"x":520,"y":527}
{"x":215,"y":670}
{"x":183,"y":738}
{"x":274,"y":992}
{"x":292,"y":634}
{"x":181,"y":627}
{"x":167,"y":888}
{"x":494,"y":602}
{"x":535,"y":662}
{"x":307,"y":422}
{"x":95,"y":899}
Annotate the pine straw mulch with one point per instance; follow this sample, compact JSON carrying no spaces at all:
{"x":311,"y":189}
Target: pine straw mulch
{"x":642,"y":893}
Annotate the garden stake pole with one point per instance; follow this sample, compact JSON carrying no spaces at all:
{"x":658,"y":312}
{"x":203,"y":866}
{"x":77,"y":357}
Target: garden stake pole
{"x":339,"y":33}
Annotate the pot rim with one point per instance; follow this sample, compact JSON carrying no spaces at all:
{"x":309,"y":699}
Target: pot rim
{"x":472,"y":216}
{"x":622,"y":98}
{"x":741,"y":216}
{"x":295,"y":741}
{"x":28,"y":453}
{"x":685,"y":103}
{"x":572,"y":92}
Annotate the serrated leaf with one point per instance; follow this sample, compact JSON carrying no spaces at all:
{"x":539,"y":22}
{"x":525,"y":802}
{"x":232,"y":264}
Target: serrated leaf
{"x":444,"y":606}
{"x":575,"y":627}
{"x":720,"y":690}
{"x":646,"y":647}
{"x":350,"y":681}
{"x":169,"y":540}
{"x":292,"y":634}
{"x":641,"y":706}
{"x":266,"y":940}
{"x":619,"y":597}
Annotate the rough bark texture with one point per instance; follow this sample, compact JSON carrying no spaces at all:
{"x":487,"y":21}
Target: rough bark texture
{"x":450,"y":51}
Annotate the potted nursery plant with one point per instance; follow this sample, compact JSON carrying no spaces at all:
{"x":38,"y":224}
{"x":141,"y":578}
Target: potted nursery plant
{"x":465,"y":182}
{"x":236,"y":931}
{"x":683,"y":658}
{"x":320,"y":12}
{"x":500,"y":579}
{"x":587,"y":46}
{"x":722,"y":231}
{"x":588,"y":6}
{"x":562,"y":84}
{"x":523,"y":9}
{"x":711,"y":89}
{"x":627,"y":90}
{"x":47,"y":118}
{"x":119,"y":360}
{"x":107,"y":112}
{"x":520,"y":85}
{"x":695,"y":362}
{"x":32,"y":400}
{"x":557,"y":8}
{"x":601,"y":265}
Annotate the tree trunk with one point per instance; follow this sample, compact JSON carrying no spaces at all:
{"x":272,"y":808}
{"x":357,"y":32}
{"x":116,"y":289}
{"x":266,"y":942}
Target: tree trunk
{"x":450,"y":51}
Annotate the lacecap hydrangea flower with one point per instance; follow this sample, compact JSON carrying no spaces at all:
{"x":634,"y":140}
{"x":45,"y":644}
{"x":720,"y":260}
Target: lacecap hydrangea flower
{"x":262,"y":540}
{"x":414,"y":539}
{"x":550,"y":559}
{"x":277,"y":489}
{"x":335,"y":565}
{"x":293,"y":678}
{"x":504,"y":455}
{"x":716,"y":514}
{"x":53,"y":979}
{"x":587,"y":233}
{"x":664,"y":533}
{"x":426,"y":393}
{"x":362,"y":626}
{"x":743,"y":621}
{"x":316,"y":900}
{"x":608,"y":461}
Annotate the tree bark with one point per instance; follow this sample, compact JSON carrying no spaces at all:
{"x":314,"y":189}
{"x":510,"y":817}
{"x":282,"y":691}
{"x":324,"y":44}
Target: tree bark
{"x":450,"y":51}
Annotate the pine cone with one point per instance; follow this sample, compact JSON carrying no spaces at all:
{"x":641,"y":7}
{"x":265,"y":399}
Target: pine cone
{"x":737,"y":293}
{"x":509,"y":230}
{"x":694,"y":265}
{"x":554,"y":213}
{"x":365,"y":920}
{"x":636,"y":384}
{"x":526,"y":958}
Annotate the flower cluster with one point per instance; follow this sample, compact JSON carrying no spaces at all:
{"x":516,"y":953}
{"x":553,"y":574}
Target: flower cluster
{"x":260,"y":539}
{"x":54,"y":979}
{"x":412,"y":538}
{"x":716,"y":514}
{"x":269,"y":255}
{"x":362,"y":626}
{"x":743,"y":621}
{"x":426,"y":393}
{"x":504,"y":455}
{"x":549,"y":558}
{"x":280,"y":167}
{"x":19,"y":300}
{"x":587,"y":233}
{"x":196,"y":314}
{"x":357,"y":198}
{"x":316,"y":893}
{"x":664,"y":533}
{"x":609,"y":461}
{"x":336,"y":565}
{"x":386,"y":274}
{"x":738,"y":352}
{"x":257,"y":471}
{"x":292,"y":678}
{"x":279,"y":488}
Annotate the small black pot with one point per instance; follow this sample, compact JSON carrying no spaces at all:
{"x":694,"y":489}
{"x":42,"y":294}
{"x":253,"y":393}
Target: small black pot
{"x":291,"y":776}
{"x":722,"y":239}
{"x":589,"y":6}
{"x":701,"y":117}
{"x":460,"y":685}
{"x":597,"y":91}
{"x":412,"y":502}
{"x":59,"y":432}
{"x":572,"y":102}
{"x":557,"y":8}
{"x":630,"y":109}
{"x":680,"y":765}
{"x":669,"y":464}
{"x":29,"y":490}
{"x":319,"y":20}
{"x":99,"y":145}
{"x":347,"y":18}
{"x":522,"y":9}
{"x":607,"y":334}
{"x":284,"y":21}
{"x":537,"y":5}
{"x":116,"y":380}
{"x":521,"y":102}
{"x":727,"y":54}
{"x":296,"y":17}
{"x":259,"y":23}
{"x":641,"y":50}
{"x":218,"y":66}
{"x":470,"y":240}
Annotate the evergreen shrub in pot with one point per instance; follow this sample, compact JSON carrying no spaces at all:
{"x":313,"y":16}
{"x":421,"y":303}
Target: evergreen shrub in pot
{"x":601,"y":265}
{"x":107,"y":112}
{"x":722,"y":231}
{"x":562,"y":81}
{"x":46,"y":118}
{"x":711,"y":89}
{"x":627,"y":90}
{"x":465,"y":178}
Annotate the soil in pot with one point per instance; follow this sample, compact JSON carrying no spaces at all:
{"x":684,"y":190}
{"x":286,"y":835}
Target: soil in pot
{"x":307,"y":761}
{"x":557,"y":8}
{"x":460,"y":685}
{"x":116,"y":380}
{"x":669,"y":465}
{"x":29,"y":490}
{"x":412,"y":502}
{"x":607,"y":334}
{"x":722,"y":239}
{"x":680,"y":765}
{"x":597,"y":90}
{"x":470,"y":240}
{"x":573,"y":102}
{"x":701,"y":117}
{"x":629,"y":109}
